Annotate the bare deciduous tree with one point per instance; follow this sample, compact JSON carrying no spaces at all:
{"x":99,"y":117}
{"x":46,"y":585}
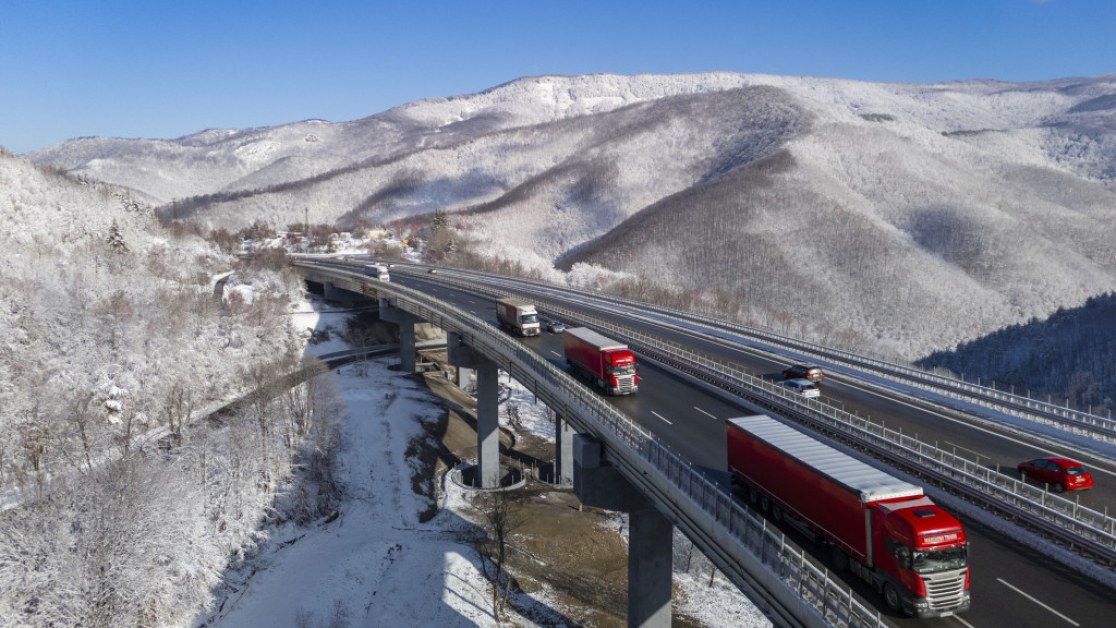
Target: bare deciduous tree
{"x":500,"y":522}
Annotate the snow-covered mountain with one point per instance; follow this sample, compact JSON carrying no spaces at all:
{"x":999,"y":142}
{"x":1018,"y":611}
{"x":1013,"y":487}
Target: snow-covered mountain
{"x":893,"y":218}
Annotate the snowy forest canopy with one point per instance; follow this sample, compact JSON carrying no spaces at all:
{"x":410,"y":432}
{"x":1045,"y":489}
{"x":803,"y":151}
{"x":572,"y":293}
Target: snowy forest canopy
{"x":119,"y":506}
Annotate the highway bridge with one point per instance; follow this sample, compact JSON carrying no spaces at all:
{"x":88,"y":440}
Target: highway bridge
{"x":1037,"y":558}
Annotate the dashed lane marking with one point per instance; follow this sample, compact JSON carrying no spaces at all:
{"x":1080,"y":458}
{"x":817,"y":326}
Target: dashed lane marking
{"x":1036,"y":601}
{"x":705,"y":413}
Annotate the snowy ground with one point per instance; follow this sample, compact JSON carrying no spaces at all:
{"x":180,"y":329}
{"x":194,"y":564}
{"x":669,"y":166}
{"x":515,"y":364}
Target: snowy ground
{"x":376,"y":564}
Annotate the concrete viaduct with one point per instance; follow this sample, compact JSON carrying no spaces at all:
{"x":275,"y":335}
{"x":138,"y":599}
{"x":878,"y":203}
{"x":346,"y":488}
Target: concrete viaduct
{"x":596,"y":452}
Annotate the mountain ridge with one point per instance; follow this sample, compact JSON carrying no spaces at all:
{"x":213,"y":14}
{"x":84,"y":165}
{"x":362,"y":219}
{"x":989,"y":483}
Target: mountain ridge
{"x":930,"y":214}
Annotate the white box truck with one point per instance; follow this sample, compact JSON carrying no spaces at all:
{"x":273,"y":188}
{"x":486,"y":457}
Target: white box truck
{"x":518,"y":316}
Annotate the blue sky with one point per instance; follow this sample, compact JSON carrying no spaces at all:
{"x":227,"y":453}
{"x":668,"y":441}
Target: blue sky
{"x":163,"y":69}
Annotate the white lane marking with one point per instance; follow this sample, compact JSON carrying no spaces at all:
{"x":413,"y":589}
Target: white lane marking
{"x":661,"y":417}
{"x":1035,"y":600}
{"x":956,"y":446}
{"x":556,"y":354}
{"x":963,"y":621}
{"x":1093,"y":469}
{"x":705,"y":413}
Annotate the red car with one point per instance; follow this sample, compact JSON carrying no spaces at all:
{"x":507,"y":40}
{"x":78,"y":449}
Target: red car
{"x":1061,"y":474}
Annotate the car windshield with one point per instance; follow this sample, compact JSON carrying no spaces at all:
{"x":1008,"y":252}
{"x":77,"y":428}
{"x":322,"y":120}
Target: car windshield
{"x":1075,"y":471}
{"x":940,"y":560}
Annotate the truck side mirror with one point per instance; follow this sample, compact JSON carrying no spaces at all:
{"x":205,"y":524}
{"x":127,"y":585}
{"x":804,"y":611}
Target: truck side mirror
{"x":903,"y":556}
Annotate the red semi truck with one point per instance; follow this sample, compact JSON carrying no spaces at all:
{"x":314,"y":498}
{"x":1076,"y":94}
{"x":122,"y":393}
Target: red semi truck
{"x":605,"y":362}
{"x":879,"y":527}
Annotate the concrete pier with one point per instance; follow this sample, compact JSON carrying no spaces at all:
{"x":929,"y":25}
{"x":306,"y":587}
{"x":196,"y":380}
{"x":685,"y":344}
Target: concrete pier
{"x":563,"y":452}
{"x":650,"y":534}
{"x":488,"y":407}
{"x":406,"y":322}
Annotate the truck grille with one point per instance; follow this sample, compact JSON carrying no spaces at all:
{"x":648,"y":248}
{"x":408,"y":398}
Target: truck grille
{"x":624,"y":385}
{"x":945,"y":590}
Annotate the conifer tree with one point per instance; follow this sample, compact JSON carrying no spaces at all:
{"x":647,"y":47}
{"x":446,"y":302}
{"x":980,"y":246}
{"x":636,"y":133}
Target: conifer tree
{"x":115,"y":239}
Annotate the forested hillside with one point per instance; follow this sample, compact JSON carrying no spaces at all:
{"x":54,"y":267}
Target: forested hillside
{"x":892,"y":219}
{"x":117,"y":506}
{"x":1068,"y":358}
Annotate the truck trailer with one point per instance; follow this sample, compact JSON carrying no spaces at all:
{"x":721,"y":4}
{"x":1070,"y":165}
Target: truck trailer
{"x":877,"y":526}
{"x":608,"y":364}
{"x":518,"y":316}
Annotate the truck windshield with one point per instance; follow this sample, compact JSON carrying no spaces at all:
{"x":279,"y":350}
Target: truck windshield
{"x":940,"y":560}
{"x":530,"y":318}
{"x":626,"y":369}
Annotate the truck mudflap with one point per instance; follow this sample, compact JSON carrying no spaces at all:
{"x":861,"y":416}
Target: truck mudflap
{"x":945,"y":595}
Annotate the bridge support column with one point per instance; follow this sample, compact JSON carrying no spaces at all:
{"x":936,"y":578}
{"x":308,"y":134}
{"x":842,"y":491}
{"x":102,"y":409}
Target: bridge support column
{"x":465,"y":377}
{"x":333,"y":293}
{"x":488,"y":407}
{"x":563,"y":452}
{"x":650,"y":534}
{"x":488,"y":425}
{"x":406,"y":322}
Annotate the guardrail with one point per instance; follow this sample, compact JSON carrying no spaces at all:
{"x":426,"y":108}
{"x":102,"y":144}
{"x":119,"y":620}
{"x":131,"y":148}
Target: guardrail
{"x":1090,"y":533}
{"x":759,"y":560}
{"x":1071,"y":420}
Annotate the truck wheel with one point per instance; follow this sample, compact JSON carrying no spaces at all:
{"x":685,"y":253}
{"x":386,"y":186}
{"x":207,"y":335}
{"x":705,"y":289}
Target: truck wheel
{"x":753,"y":496}
{"x":891,"y":597}
{"x":776,"y":514}
{"x":839,"y":559}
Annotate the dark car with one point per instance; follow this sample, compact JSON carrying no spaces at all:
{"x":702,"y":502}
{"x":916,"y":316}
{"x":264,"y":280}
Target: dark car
{"x":433,"y":271}
{"x":1060,"y":474}
{"x":556,"y":327}
{"x":804,"y":371}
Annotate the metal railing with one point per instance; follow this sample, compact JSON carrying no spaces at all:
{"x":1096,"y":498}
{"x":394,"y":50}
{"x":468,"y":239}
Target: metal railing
{"x":1091,"y":533}
{"x":1044,"y":412}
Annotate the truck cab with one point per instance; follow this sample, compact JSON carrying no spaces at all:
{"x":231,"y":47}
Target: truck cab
{"x":379,"y":271}
{"x":621,"y":372}
{"x":925,"y":552}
